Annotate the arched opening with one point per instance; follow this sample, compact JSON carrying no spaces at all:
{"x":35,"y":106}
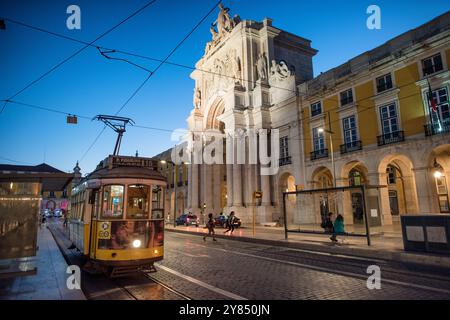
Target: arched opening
{"x":396,"y":171}
{"x":322,"y":178}
{"x":354,"y":174}
{"x":286,"y":183}
{"x":439,"y":164}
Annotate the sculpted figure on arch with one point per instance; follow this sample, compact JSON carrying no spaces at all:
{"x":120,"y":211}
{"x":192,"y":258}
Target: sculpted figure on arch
{"x":261,"y":66}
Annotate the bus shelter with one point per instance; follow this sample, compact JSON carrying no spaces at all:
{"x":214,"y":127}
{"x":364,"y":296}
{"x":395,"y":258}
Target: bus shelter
{"x":305,"y":211}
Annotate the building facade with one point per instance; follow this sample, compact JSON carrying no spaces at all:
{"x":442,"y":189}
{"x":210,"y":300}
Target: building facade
{"x":177,"y":184}
{"x":373,"y":114}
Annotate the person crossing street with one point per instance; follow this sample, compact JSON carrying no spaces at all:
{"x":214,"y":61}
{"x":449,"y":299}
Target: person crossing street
{"x":230,"y":223}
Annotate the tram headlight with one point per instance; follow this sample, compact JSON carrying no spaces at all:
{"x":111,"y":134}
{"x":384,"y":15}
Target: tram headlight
{"x":136,"y":243}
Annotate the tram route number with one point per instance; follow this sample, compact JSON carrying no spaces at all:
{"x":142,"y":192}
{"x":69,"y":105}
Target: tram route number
{"x":104,"y":232}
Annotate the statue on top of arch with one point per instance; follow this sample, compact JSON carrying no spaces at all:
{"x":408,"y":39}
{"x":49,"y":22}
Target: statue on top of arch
{"x":224,"y":23}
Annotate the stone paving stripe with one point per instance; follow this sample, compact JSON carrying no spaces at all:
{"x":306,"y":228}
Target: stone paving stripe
{"x":202,"y":284}
{"x":345,"y":273}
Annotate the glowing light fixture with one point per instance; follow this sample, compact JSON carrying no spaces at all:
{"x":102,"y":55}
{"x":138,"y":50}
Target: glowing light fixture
{"x":437,"y":169}
{"x":136,"y":243}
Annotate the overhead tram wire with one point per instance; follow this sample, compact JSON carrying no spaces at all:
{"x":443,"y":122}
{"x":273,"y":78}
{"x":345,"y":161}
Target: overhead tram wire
{"x":171,"y":63}
{"x":15,"y":161}
{"x":154,"y":71}
{"x":48,"y":109}
{"x":75,"y":53}
{"x":153,"y":59}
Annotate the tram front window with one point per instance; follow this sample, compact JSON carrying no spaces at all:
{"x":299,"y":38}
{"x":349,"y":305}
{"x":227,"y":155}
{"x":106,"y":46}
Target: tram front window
{"x":137,"y":207}
{"x":113,"y":202}
{"x":133,"y":235}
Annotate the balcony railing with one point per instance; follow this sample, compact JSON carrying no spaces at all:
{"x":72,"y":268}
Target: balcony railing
{"x":319,"y":154}
{"x":351,"y":146}
{"x":393,"y":137}
{"x":285,"y":161}
{"x":437,"y":128}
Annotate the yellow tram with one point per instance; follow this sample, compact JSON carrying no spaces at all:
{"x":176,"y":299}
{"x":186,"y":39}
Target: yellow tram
{"x":117,"y":215}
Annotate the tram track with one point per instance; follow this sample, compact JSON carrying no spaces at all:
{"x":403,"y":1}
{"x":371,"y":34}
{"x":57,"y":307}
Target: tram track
{"x":399,"y":274}
{"x":185,"y":297}
{"x":141,"y":291}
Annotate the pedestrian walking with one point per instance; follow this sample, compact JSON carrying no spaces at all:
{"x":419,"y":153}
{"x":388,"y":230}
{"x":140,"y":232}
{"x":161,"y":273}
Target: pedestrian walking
{"x":327,"y":224}
{"x":338,"y":227}
{"x":230,"y":223}
{"x":210,"y":226}
{"x":65,"y":219}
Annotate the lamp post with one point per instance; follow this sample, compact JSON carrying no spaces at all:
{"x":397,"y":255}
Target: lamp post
{"x":330,"y":133}
{"x":174,"y":191}
{"x":322,"y":130}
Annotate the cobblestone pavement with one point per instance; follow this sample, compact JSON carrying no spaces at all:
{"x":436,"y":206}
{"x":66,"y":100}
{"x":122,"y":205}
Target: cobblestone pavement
{"x":237,"y":270}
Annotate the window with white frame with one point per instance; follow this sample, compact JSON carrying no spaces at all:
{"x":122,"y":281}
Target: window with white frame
{"x":442,"y":114}
{"x":346,"y":97}
{"x":349,"y":128}
{"x":389,"y":119}
{"x":316,"y":109}
{"x":384,"y":83}
{"x":284,"y":147}
{"x":318,"y":140}
{"x":432,"y":65}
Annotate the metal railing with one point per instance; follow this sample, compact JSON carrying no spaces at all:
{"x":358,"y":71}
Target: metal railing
{"x":351,"y":146}
{"x":285,"y":161}
{"x":319,"y":154}
{"x":392,"y":137}
{"x":436,"y":128}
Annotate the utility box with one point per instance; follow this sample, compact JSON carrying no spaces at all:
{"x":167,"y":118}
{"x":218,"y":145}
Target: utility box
{"x":426,"y":233}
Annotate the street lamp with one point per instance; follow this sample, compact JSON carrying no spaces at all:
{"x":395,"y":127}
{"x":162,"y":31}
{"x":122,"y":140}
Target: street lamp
{"x":322,"y":130}
{"x":437,"y":174}
{"x":174,"y":191}
{"x":437,"y":170}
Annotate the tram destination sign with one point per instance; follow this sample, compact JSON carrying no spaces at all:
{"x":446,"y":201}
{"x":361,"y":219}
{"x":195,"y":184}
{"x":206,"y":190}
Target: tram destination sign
{"x":126,"y":161}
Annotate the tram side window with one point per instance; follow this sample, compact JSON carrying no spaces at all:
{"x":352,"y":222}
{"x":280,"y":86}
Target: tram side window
{"x":113,"y":202}
{"x":138,"y":206}
{"x":157,"y":202}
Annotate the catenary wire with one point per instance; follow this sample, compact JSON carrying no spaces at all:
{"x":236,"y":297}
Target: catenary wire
{"x":155,"y":70}
{"x":76,"y":52}
{"x":157,"y":60}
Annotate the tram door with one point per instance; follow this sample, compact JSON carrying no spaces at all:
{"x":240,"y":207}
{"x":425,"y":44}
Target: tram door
{"x":94,"y":202}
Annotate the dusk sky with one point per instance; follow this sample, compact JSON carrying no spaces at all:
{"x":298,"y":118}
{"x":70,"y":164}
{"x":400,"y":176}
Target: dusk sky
{"x":89,"y":84}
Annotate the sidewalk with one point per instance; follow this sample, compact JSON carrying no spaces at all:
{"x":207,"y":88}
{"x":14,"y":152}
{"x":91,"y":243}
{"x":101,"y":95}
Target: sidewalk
{"x":385,"y":247}
{"x":49,"y":282}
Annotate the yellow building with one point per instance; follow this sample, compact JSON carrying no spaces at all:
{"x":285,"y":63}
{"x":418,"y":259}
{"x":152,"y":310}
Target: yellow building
{"x":374,"y":112}
{"x":177,"y":182}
